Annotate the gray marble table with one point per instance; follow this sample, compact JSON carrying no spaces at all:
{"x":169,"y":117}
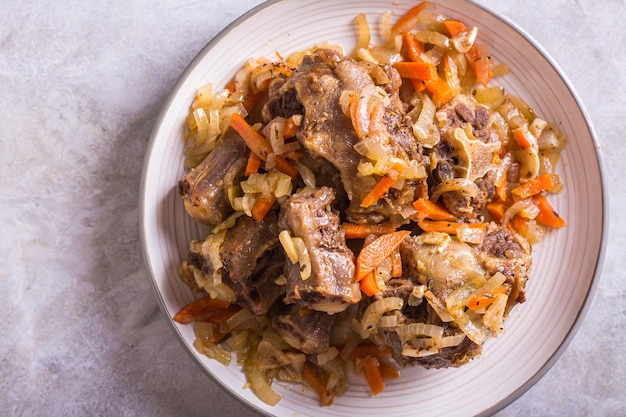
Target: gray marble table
{"x":81,"y":85}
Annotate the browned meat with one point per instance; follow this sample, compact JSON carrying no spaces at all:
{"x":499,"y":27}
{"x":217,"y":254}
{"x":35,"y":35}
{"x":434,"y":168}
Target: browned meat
{"x":504,"y":251}
{"x":252,"y":261}
{"x":466,"y":151}
{"x":304,"y":329}
{"x":422,"y":313}
{"x":448,"y":357}
{"x":204,"y":189}
{"x":327,"y":134}
{"x":330,"y":288}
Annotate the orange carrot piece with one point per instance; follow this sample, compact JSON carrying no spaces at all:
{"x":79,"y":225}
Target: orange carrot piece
{"x":250,"y":101}
{"x":419,"y":70}
{"x":388,"y":371}
{"x":375,"y":253}
{"x":262,"y":205}
{"x":409,"y":19}
{"x":520,"y":137}
{"x":290,"y":128}
{"x":253,"y":165}
{"x":445,"y":226}
{"x":496,"y":210}
{"x":230,"y":86}
{"x":222,"y":316}
{"x":368,"y":348}
{"x":533,"y":187}
{"x":372,"y":374}
{"x":454,"y":27}
{"x":369,"y":284}
{"x":414,"y":48}
{"x":257,"y":143}
{"x":484,"y":300}
{"x":519,"y":223}
{"x":480,"y":62}
{"x":396,"y":264}
{"x":440,"y":89}
{"x":432,"y":210}
{"x":547,"y":215}
{"x":361,"y":231}
{"x":381,"y":188}
{"x":310,"y":377}
{"x":200,"y":310}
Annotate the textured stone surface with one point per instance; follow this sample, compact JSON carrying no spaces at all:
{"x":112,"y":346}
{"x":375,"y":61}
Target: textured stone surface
{"x":82,"y":85}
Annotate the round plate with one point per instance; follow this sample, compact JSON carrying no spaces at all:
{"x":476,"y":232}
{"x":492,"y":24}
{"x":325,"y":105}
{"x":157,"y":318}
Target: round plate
{"x":565,"y":263}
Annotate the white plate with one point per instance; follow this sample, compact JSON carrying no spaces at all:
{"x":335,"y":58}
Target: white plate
{"x":566,"y":264}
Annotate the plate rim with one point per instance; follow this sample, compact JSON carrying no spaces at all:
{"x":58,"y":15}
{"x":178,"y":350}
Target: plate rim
{"x":600,"y":256}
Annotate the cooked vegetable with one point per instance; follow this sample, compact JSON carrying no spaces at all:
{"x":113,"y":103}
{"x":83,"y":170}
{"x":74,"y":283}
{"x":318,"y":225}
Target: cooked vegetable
{"x":375,"y":253}
{"x":361,"y":231}
{"x":257,"y":143}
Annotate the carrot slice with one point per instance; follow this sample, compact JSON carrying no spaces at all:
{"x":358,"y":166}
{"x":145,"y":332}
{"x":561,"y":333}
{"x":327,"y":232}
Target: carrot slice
{"x":388,"y":371}
{"x":200,"y":310}
{"x":381,"y":188}
{"x":230,"y":86}
{"x":257,"y":143}
{"x":409,"y":19}
{"x":375,"y":253}
{"x":290,"y":128}
{"x":454,"y":27}
{"x":547,"y":215}
{"x":372,"y":374}
{"x":310,"y":377}
{"x":414,"y":48}
{"x":253,"y":165}
{"x":480,"y":61}
{"x":522,"y":140}
{"x":369,"y":284}
{"x":496,"y":210}
{"x":440,"y":89}
{"x":432,"y":210}
{"x":533,"y":187}
{"x":519,"y":223}
{"x":361,"y":231}
{"x":251,"y":100}
{"x":396,"y":264}
{"x":368,"y":348}
{"x":485,"y":300}
{"x":419,"y":70}
{"x":262,"y":205}
{"x":445,"y":226}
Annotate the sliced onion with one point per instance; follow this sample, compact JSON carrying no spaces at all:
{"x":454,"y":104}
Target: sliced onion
{"x":375,"y":311}
{"x":305,"y":173}
{"x":432,"y":37}
{"x":494,"y":316}
{"x":418,"y":353}
{"x":413,"y":330}
{"x":287,"y":243}
{"x":517,"y":207}
{"x":465,"y":186}
{"x":421,"y":128}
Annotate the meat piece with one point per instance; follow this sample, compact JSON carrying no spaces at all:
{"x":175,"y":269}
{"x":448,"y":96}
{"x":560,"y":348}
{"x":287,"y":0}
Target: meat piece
{"x":422,"y":313}
{"x":251,"y":260}
{"x":328,"y":134}
{"x":448,"y":357}
{"x":204,"y":189}
{"x":304,"y":329}
{"x":467,"y":150}
{"x":330,"y":288}
{"x":507,"y":252}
